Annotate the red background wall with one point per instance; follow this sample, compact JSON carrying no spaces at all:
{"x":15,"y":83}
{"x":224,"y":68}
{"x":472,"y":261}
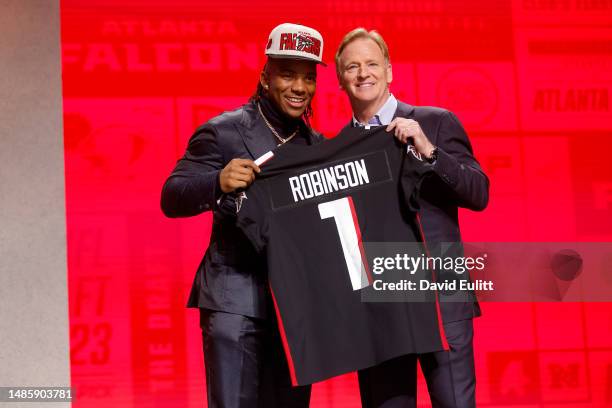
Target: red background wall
{"x":530,"y":80}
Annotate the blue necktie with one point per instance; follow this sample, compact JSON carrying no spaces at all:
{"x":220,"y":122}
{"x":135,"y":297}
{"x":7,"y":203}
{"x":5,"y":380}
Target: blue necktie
{"x":374,"y":121}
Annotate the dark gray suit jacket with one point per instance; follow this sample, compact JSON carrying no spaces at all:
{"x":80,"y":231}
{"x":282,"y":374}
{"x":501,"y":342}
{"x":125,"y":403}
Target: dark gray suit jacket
{"x":457,"y":181}
{"x":231,"y":277}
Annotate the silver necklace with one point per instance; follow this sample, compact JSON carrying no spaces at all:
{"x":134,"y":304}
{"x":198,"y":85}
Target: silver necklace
{"x":282,"y":140}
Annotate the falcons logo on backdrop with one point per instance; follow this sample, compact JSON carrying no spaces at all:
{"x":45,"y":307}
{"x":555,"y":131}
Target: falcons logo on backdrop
{"x":304,"y":42}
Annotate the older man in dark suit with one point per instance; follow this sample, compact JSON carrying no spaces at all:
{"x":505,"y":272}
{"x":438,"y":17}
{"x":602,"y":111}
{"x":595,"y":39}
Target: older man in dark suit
{"x":245,"y":365}
{"x":364,"y":72}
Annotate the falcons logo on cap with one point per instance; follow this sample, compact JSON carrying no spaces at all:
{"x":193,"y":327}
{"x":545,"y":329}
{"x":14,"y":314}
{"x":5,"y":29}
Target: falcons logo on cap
{"x":304,"y":42}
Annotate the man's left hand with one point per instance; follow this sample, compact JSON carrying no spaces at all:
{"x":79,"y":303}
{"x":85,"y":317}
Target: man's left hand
{"x":405,"y":129}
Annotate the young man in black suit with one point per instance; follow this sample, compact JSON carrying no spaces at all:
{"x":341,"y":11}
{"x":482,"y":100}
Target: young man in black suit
{"x":364,"y":73}
{"x":245,"y":364}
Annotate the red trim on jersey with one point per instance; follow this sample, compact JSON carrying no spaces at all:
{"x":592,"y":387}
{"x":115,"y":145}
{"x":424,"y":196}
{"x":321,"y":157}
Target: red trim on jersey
{"x":364,"y":259}
{"x":281,"y":329}
{"x":438,"y":311}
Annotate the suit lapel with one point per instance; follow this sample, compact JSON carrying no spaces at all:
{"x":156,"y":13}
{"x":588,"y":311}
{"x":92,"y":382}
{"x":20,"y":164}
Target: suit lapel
{"x":404,"y":110}
{"x":408,"y":111}
{"x":254,"y":132}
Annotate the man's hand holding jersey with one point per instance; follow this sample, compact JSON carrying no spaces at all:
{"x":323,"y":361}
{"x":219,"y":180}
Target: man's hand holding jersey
{"x":238,"y":173}
{"x":409,"y":129}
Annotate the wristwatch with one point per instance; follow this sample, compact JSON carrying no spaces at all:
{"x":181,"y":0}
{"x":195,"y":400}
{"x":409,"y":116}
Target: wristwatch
{"x":433,"y":156}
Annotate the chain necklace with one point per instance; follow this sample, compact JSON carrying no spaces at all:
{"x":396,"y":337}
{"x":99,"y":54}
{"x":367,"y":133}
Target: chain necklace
{"x":274,"y":132}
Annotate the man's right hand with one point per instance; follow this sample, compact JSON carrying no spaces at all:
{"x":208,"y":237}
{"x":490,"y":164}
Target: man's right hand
{"x":239,"y":173}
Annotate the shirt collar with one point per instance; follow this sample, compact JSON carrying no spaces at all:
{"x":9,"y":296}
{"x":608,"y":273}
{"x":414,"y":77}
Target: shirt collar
{"x":385,"y":113}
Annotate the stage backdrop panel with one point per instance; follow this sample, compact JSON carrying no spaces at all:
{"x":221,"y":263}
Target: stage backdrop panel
{"x":530,"y":80}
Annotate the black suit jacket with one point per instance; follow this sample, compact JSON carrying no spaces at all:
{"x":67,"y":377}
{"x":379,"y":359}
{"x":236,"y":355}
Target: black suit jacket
{"x":231,"y":277}
{"x":457,"y":181}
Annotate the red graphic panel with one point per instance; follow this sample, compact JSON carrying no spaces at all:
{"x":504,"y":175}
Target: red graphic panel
{"x":564,"y":78}
{"x":100,"y":327}
{"x":501,"y":157}
{"x":564,"y":376}
{"x":601,"y":378}
{"x":482,"y":94}
{"x":514,"y":377}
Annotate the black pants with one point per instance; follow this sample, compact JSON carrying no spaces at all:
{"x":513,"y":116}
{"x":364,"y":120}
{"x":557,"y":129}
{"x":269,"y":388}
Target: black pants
{"x":245,"y":363}
{"x":391,"y":384}
{"x":450,"y":375}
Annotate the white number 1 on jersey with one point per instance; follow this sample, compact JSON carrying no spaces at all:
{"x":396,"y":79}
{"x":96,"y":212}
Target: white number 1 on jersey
{"x":343,"y":212}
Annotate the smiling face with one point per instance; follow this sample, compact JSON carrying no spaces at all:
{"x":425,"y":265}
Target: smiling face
{"x":364,"y":74}
{"x":290,"y":84}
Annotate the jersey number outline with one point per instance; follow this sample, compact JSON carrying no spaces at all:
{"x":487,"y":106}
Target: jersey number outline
{"x":343,"y":212}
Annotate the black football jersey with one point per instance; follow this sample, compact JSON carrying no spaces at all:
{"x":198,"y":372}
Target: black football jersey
{"x":311,"y":210}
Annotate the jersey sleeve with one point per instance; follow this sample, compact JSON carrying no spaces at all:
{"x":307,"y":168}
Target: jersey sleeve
{"x":414,"y":170}
{"x":252,"y":214}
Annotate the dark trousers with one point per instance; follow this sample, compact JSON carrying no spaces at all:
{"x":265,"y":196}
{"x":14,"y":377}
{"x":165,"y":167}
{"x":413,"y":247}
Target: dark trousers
{"x":245,"y":363}
{"x":450,"y":375}
{"x":391,"y":384}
